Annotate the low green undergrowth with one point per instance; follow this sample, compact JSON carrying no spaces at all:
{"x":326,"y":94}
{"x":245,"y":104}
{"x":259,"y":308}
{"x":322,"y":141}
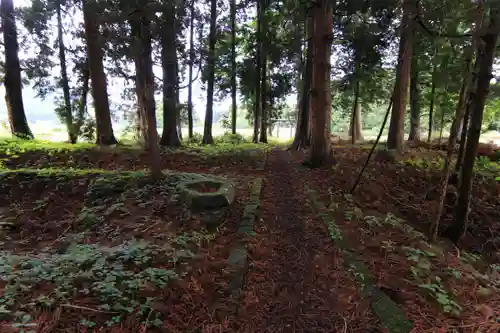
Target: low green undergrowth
{"x":116,"y":279}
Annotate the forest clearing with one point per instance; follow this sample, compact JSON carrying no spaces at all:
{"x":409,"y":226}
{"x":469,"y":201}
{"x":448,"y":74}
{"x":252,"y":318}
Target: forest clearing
{"x":88,"y":234}
{"x":380,"y":214}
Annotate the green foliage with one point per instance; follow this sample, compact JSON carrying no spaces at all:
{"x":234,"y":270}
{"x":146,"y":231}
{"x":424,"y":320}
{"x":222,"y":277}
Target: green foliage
{"x":11,"y":147}
{"x":443,"y":298}
{"x":233,"y":139}
{"x":114,"y":276}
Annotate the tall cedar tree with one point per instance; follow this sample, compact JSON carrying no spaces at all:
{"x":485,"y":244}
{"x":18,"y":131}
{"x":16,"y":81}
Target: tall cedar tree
{"x":414,"y":99}
{"x":141,"y":33}
{"x":73,"y":137}
{"x":321,"y":98}
{"x":465,"y":89}
{"x":170,"y":136}
{"x":263,"y":73}
{"x":355,"y":126}
{"x":234,"y":107}
{"x":395,"y":138}
{"x":105,"y":135}
{"x":190,"y":70}
{"x":301,"y":139}
{"x":433,"y":95}
{"x":212,"y":39}
{"x":258,"y":71}
{"x":485,"y":57}
{"x":13,"y":84}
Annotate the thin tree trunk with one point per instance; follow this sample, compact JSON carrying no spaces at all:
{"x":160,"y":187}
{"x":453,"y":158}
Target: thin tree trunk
{"x":355,"y":126}
{"x":234,"y":110}
{"x":82,"y":104}
{"x":321,"y":97}
{"x":13,"y":84}
{"x":207,"y":132}
{"x":485,"y":57}
{"x":190,"y":75}
{"x":433,"y":99}
{"x":414,"y":101}
{"x":145,"y":88}
{"x":263,"y":90}
{"x":395,"y":138}
{"x":258,"y":63}
{"x":105,"y":135}
{"x":68,"y":113}
{"x":467,"y":85}
{"x":264,"y":94}
{"x":463,"y":137}
{"x":301,"y":139}
{"x":170,"y":136}
{"x":442,"y":110}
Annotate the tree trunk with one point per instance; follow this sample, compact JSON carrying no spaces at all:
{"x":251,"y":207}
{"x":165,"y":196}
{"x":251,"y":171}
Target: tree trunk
{"x":145,"y":88}
{"x":414,"y":101}
{"x":258,"y":64}
{"x":433,"y":99}
{"x":104,"y":127}
{"x":485,"y":57}
{"x":207,"y":132}
{"x":442,"y":110}
{"x":82,"y":103}
{"x":395,"y":139}
{"x":467,"y":85}
{"x":355,"y":126}
{"x":68,"y":112}
{"x":190,"y":75}
{"x":264,"y":97}
{"x":170,"y":136}
{"x":321,"y":98}
{"x":301,"y":139}
{"x":463,"y":136}
{"x":234,"y":110}
{"x":13,"y":84}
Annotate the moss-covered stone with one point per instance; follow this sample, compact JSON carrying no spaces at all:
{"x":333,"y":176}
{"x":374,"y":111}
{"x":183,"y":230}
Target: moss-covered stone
{"x":238,"y":257}
{"x":206,"y":194}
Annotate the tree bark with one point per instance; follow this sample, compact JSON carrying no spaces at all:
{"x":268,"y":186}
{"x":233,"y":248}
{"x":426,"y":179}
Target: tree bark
{"x":13,"y":84}
{"x":321,"y":99}
{"x":190,"y":75}
{"x":170,"y":135}
{"x":145,"y":87}
{"x":263,"y":99}
{"x":301,"y":139}
{"x":485,"y":57}
{"x":395,"y":139}
{"x":355,"y":126}
{"x":68,"y":112}
{"x":258,"y":64}
{"x":433,"y":99}
{"x":463,"y":136}
{"x":414,"y":101}
{"x":207,"y":132}
{"x":82,"y":103}
{"x":104,"y":127}
{"x":234,"y":107}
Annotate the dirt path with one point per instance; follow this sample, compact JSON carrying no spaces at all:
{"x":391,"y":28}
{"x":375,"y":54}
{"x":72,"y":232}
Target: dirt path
{"x":296,"y":282}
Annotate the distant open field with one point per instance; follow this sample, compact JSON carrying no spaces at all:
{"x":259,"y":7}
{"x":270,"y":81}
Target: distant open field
{"x":49,"y":131}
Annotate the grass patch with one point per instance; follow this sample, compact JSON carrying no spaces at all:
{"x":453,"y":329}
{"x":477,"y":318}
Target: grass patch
{"x":11,"y":147}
